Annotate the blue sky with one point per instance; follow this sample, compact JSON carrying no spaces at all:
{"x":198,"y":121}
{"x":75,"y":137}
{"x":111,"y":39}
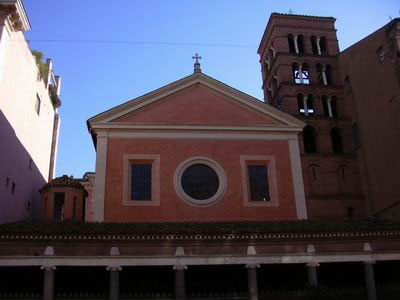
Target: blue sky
{"x":102,"y":74}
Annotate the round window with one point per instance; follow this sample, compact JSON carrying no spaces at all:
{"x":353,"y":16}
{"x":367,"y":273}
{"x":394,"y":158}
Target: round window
{"x":200,"y":181}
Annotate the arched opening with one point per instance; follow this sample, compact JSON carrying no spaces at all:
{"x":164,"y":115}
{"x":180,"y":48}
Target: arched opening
{"x":300,"y":43}
{"x":305,"y":74}
{"x":323,"y":45}
{"x":310,"y":104}
{"x":300,"y":103}
{"x":314,"y":177}
{"x":345,"y":182}
{"x":296,"y":72}
{"x":310,"y":139}
{"x":328,"y":74}
{"x":314,"y":45}
{"x":314,"y":172}
{"x":325,"y":106}
{"x":292,"y":48}
{"x":334,"y":107}
{"x":336,"y":138}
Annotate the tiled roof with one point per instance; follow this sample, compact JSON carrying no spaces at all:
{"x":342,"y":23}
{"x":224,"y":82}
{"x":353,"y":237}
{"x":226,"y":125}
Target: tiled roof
{"x":314,"y":228}
{"x":306,"y":16}
{"x":63,"y":181}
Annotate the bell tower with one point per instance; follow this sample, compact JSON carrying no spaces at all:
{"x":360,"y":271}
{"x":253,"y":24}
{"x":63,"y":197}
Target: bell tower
{"x":300,"y":75}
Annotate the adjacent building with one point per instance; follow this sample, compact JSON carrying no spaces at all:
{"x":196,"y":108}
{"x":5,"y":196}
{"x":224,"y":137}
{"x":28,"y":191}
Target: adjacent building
{"x":29,"y":117}
{"x":371,"y":76}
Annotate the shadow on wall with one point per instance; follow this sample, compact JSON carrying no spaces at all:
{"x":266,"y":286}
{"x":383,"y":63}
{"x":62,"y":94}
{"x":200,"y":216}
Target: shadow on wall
{"x":20,"y":179}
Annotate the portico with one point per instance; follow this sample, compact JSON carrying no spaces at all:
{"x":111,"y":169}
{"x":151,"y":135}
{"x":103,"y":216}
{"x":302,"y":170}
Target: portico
{"x":183,"y":265}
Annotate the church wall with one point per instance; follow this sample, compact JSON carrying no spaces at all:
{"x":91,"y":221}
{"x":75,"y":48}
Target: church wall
{"x":173,"y":152}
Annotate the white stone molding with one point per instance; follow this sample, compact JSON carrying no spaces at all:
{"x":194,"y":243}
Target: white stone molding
{"x":114,"y":251}
{"x":310,"y":248}
{"x":122,"y":261}
{"x":251,"y":250}
{"x":297,"y":177}
{"x":100,"y":179}
{"x":180,"y":251}
{"x":367,"y":247}
{"x":49,"y":251}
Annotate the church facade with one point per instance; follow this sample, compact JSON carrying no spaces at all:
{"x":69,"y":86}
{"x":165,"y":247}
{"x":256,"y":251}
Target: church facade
{"x":200,"y":151}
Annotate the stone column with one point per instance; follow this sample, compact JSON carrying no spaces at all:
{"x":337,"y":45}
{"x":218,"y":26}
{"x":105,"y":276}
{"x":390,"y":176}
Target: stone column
{"x":324,"y":79}
{"x":305,"y":98}
{"x":180,"y":290}
{"x":328,"y":103}
{"x":370,"y":279}
{"x":301,"y":74}
{"x":252,"y":281}
{"x":312,"y":274}
{"x":114,"y":282}
{"x":48,"y":285}
{"x":319,"y":46}
{"x":296,"y":46}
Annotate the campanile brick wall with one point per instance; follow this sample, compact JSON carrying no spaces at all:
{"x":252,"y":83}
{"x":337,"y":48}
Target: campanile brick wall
{"x":329,"y":192}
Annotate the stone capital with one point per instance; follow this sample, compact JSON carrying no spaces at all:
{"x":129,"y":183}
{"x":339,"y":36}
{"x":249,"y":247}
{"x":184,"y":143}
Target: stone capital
{"x":114,"y":268}
{"x":313,"y":264}
{"x":180,"y":267}
{"x":48,"y":268}
{"x":252,"y":266}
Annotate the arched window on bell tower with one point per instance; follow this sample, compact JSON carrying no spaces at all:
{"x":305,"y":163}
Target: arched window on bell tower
{"x":300,"y":43}
{"x":292,"y":48}
{"x":314,"y":45}
{"x":310,"y":139}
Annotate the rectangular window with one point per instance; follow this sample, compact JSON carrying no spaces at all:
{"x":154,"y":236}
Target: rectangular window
{"x":141,"y":182}
{"x":37,"y":105}
{"x":258,"y":182}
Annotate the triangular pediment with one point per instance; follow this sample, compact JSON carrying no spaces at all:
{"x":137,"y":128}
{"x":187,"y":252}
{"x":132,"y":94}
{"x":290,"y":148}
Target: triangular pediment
{"x":197,"y":100}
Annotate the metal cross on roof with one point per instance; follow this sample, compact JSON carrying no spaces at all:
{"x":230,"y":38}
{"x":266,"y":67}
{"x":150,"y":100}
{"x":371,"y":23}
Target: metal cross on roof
{"x":197,"y":63}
